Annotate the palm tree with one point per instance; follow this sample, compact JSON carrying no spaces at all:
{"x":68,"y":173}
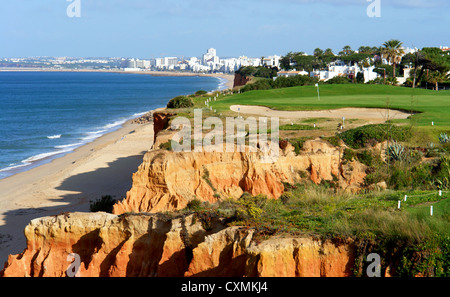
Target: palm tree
{"x":318,"y":52}
{"x":392,"y":50}
{"x":437,"y":77}
{"x":347,"y":50}
{"x":328,"y":52}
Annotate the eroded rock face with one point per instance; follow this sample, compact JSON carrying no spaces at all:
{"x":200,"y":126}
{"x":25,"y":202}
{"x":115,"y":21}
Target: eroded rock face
{"x":108,"y":245}
{"x":151,"y":245}
{"x":168,"y":181}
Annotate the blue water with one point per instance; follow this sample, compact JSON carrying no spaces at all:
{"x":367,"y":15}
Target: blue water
{"x":44,"y":115}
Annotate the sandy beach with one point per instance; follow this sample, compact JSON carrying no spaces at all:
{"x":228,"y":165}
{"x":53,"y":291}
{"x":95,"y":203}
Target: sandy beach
{"x":102,"y":167}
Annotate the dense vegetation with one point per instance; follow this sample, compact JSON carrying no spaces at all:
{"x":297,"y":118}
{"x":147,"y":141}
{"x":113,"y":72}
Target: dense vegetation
{"x":407,"y":235}
{"x":429,"y":65}
{"x":180,"y":102}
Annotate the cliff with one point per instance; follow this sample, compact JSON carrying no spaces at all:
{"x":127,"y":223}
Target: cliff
{"x":240,"y":80}
{"x":153,"y":245}
{"x":168,"y":181}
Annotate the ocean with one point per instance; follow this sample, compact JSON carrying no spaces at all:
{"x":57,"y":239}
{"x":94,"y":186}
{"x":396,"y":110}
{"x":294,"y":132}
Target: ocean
{"x":44,"y":115}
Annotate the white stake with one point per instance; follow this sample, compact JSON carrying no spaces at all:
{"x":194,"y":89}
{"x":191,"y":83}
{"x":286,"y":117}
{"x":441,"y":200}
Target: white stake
{"x":406,"y":197}
{"x":440,"y":192}
{"x":399,"y":203}
{"x":431,"y":210}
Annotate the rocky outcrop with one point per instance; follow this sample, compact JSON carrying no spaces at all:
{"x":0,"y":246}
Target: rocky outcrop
{"x":168,"y":181}
{"x":154,"y":245}
{"x":160,"y":121}
{"x":240,"y":80}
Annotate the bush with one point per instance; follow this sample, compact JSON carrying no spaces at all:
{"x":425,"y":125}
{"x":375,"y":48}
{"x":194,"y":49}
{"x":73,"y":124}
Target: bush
{"x":286,"y":197}
{"x":362,"y":136}
{"x":339,"y":80}
{"x":201,"y":92}
{"x":366,"y":157}
{"x":348,"y":155}
{"x":280,"y":82}
{"x":105,"y":204}
{"x":194,"y":205}
{"x":180,"y":102}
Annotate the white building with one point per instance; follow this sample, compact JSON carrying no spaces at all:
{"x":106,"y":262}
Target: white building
{"x":339,"y":68}
{"x":210,"y":57}
{"x":291,"y":73}
{"x":272,"y":61}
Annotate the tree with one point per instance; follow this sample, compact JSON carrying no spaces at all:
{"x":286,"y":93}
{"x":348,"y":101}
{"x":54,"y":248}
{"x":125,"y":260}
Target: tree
{"x":318,"y":52}
{"x":365,"y":50}
{"x":392,"y":50}
{"x":346,"y":50}
{"x":328,"y":52}
{"x":433,"y":59}
{"x":360,"y":78}
{"x":437,"y":77}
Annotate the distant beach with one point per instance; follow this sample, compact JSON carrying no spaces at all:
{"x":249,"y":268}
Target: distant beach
{"x":228,"y":77}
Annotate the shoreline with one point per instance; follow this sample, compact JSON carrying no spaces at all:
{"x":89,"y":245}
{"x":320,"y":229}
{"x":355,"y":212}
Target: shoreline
{"x":228,"y":77}
{"x":68,"y":183}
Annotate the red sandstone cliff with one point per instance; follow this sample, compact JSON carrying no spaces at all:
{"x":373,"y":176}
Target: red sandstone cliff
{"x":151,"y":245}
{"x":168,"y":181}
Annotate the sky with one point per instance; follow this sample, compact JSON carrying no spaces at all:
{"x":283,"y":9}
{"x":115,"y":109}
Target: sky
{"x":254,"y":28}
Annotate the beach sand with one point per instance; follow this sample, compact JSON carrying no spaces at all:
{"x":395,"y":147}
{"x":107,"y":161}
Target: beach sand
{"x":102,"y":167}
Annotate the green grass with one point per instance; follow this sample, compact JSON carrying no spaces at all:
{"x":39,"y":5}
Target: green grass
{"x":433,"y":106}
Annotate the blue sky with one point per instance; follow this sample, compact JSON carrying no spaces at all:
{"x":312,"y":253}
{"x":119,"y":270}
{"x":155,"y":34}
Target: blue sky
{"x":150,"y":28}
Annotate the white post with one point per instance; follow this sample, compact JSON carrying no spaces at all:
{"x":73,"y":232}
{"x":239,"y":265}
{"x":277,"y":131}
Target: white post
{"x":440,"y":192}
{"x":431,"y":210}
{"x":399,"y":203}
{"x":406,"y":197}
{"x":318,"y":92}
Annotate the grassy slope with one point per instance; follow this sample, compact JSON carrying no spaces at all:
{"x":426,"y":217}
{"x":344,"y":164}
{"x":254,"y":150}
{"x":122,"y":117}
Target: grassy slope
{"x":434,"y":106}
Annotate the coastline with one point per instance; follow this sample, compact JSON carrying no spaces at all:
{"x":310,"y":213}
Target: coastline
{"x":68,"y":183}
{"x":228,"y":77}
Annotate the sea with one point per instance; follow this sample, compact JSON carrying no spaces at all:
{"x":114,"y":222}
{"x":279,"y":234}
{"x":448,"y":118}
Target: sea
{"x":45,"y":115}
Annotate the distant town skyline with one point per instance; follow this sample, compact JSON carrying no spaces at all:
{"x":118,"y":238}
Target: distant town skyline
{"x":155,"y":29}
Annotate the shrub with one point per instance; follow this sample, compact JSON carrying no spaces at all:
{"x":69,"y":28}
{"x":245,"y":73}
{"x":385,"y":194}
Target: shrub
{"x":166,"y":146}
{"x":180,"y":102}
{"x":362,"y":136}
{"x":338,"y":80}
{"x":201,"y":92}
{"x":443,"y":138}
{"x":348,"y":155}
{"x":396,"y":152}
{"x":194,"y":205}
{"x":105,"y":204}
{"x":366,"y":157}
{"x":286,"y":197}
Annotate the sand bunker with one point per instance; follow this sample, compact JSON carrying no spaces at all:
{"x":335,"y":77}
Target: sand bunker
{"x":373,"y":115}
